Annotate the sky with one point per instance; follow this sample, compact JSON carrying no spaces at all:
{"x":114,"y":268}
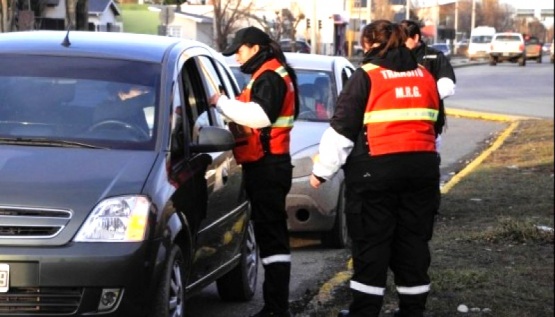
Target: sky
{"x":530,"y":4}
{"x":525,"y":4}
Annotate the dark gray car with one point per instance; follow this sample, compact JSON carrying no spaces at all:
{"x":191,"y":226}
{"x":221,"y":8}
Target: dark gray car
{"x":119,"y":194}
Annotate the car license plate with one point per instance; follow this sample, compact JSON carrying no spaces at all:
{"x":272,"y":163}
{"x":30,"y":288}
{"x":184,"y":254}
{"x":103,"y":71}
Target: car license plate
{"x":505,"y":54}
{"x":4,"y":277}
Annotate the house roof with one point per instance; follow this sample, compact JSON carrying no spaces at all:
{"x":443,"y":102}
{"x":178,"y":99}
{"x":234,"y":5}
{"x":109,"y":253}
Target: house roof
{"x":199,"y":18}
{"x":97,"y":7}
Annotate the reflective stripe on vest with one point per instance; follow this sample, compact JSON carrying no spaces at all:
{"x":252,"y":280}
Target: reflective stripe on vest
{"x":401,"y":111}
{"x":401,"y":115}
{"x":249,"y":147}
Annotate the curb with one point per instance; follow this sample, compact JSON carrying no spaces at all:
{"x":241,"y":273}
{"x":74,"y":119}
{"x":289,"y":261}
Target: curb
{"x":514,"y":120}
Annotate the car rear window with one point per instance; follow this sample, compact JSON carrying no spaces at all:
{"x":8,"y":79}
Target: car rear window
{"x":80,"y":99}
{"x":509,"y":38}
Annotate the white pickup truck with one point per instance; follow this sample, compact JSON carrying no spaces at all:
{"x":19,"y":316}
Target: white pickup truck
{"x":507,"y":46}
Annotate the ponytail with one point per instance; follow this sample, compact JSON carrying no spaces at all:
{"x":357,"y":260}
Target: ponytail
{"x":277,"y":52}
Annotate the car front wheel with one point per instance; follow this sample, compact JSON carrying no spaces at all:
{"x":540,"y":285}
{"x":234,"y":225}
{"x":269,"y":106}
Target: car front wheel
{"x":239,"y":284}
{"x":170,"y":299}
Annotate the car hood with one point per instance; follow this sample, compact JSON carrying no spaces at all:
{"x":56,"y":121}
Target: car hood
{"x":50,"y":177}
{"x":72,"y":179}
{"x":306,"y":134}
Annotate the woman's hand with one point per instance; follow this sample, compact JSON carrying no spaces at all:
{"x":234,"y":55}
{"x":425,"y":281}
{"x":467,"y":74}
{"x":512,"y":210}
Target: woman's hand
{"x":214,"y":99}
{"x":314,"y":181}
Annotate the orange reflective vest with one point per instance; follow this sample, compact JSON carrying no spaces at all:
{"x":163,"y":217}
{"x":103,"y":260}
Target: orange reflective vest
{"x":249,"y":141}
{"x":401,"y":111}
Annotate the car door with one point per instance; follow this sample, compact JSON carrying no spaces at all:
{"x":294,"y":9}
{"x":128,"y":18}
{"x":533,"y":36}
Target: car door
{"x":220,"y":230}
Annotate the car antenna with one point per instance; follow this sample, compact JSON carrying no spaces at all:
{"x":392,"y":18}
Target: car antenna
{"x":66,"y":42}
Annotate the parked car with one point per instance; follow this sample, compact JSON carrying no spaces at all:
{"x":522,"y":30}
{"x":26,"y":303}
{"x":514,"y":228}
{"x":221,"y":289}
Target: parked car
{"x":300,"y":46}
{"x":444,"y":48}
{"x":533,"y":48}
{"x":123,"y":210}
{"x":309,"y":210}
{"x":461,"y":48}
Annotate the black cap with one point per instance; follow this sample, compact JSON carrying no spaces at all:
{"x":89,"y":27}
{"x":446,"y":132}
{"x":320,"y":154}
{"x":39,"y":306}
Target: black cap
{"x":248,"y":35}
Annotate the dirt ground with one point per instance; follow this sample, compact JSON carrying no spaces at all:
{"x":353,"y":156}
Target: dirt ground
{"x":492,"y":250}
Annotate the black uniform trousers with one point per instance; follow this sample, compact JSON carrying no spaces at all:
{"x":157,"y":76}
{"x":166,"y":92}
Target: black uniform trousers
{"x":390,"y":221}
{"x":267,"y":183}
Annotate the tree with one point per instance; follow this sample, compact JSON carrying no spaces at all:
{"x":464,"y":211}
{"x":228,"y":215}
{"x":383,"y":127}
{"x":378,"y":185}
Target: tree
{"x":381,"y":9}
{"x":227,"y":13}
{"x":283,"y":26}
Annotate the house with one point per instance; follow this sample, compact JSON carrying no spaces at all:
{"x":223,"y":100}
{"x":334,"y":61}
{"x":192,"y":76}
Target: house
{"x":191,"y":26}
{"x":103,"y":15}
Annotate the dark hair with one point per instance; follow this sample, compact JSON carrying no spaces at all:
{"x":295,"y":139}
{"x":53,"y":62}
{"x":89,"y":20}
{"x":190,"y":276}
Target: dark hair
{"x":412,"y":27}
{"x":387,"y":34}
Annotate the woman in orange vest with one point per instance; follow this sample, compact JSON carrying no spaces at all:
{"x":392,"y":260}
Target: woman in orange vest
{"x":382,"y":135}
{"x":261,"y":120}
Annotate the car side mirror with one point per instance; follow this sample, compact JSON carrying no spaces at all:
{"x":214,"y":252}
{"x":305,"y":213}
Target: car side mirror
{"x":213,"y":139}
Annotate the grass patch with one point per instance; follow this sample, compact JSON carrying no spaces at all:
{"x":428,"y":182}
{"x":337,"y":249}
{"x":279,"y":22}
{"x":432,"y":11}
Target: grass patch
{"x":137,"y":18}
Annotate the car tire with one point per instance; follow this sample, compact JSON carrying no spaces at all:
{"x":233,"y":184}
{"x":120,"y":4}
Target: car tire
{"x":522,"y":61}
{"x":170,"y":297}
{"x":493,"y":61}
{"x":539,"y":59}
{"x":239,"y":284}
{"x":338,"y":236}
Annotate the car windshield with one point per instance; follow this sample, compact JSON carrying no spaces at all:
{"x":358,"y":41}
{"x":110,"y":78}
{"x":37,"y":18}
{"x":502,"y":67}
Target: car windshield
{"x":509,"y":38}
{"x":316,"y":93}
{"x":95,"y":102}
{"x":481,"y":39}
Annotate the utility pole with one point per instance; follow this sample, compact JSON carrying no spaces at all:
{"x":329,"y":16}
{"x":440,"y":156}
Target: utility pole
{"x":407,"y":9}
{"x":456,"y":18}
{"x":473,"y":19}
{"x":313,"y":37}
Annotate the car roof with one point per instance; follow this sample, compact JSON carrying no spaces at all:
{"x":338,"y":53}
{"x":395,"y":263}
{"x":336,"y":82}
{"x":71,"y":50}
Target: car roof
{"x":313,"y":61}
{"x":121,"y":45}
{"x":304,"y":61}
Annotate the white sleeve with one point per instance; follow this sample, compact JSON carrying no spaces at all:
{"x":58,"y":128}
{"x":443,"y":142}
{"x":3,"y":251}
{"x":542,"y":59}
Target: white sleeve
{"x":445,"y":87}
{"x":438,"y":143}
{"x":249,"y":114}
{"x":333,"y":152}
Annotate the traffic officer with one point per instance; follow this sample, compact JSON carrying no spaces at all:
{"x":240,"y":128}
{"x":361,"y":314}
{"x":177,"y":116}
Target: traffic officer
{"x":383,"y":136}
{"x":261,"y":120}
{"x":437,"y":64}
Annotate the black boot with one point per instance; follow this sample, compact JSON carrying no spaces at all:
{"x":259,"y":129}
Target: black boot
{"x":411,"y":305}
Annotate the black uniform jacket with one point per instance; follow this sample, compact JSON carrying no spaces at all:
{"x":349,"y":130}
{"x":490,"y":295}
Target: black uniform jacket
{"x":348,"y":121}
{"x":439,"y":66}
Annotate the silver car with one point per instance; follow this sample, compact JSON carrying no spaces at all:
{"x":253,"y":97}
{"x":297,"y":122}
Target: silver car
{"x":320,"y":79}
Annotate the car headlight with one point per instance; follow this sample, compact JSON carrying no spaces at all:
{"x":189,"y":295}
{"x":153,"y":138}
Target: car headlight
{"x":117,"y":219}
